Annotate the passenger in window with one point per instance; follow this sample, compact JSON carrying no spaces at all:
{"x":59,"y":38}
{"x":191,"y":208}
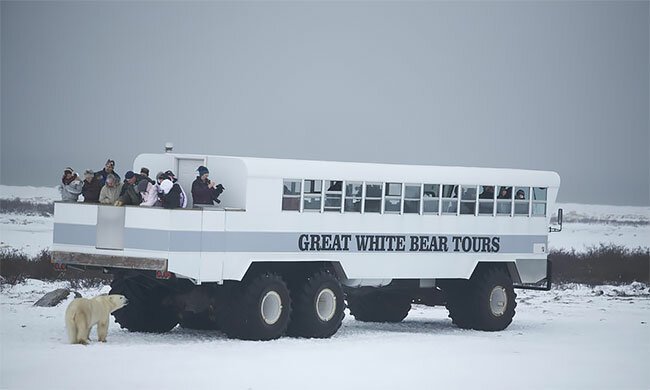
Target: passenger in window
{"x":109,"y":168}
{"x":70,"y":186}
{"x":91,"y":187}
{"x":504,"y":193}
{"x":336,"y":186}
{"x":110,"y":193}
{"x":205,"y":191}
{"x":520,"y":195}
{"x":488,"y":193}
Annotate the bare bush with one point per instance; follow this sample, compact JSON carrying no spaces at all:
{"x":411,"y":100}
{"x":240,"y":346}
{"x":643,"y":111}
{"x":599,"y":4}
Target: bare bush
{"x":15,"y":267}
{"x":19,"y":206}
{"x":605,"y":264}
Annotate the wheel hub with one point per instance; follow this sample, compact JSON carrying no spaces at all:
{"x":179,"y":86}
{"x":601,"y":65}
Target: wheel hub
{"x":326,"y":304}
{"x":498,"y":301}
{"x":271,"y":307}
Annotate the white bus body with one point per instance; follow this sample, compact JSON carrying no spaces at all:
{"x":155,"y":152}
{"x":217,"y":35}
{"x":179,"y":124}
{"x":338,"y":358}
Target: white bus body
{"x":424,"y":237}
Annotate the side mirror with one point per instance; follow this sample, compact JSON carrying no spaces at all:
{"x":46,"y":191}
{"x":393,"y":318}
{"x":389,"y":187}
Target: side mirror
{"x":553,"y":229}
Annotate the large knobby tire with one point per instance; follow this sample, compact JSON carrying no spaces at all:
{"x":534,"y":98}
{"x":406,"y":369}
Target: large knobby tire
{"x":259,"y":310}
{"x":486,"y":302}
{"x":461,"y":312}
{"x":318,"y":307}
{"x":379,"y":306}
{"x":145,"y":311}
{"x":495,"y":298}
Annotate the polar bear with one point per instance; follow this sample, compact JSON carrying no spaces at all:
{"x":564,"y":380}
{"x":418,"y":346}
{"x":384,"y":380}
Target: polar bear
{"x":82,"y":314}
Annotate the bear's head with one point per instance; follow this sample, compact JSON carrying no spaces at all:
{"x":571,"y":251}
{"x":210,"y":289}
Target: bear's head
{"x":117,"y":301}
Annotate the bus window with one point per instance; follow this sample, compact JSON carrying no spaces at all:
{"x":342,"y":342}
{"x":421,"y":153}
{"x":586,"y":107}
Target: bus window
{"x":291,"y":194}
{"x":313,"y":195}
{"x":449,"y":199}
{"x":353,"y":196}
{"x":468,"y":200}
{"x":539,"y":201}
{"x":333,"y":195}
{"x":373,"y":198}
{"x":504,"y":201}
{"x":393,"y":198}
{"x":412,"y":198}
{"x":486,"y":200}
{"x":431,"y":198}
{"x":522,"y":197}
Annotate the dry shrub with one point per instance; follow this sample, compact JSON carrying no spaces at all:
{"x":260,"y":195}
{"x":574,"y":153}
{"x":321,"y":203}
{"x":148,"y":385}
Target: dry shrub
{"x":15,"y":267}
{"x":605,"y":264}
{"x":19,"y":206}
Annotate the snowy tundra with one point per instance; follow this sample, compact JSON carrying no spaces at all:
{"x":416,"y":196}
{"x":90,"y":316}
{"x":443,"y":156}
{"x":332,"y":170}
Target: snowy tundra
{"x":572,"y":337}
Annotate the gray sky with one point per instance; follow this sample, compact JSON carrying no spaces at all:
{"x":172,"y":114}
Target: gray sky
{"x":558,"y":86}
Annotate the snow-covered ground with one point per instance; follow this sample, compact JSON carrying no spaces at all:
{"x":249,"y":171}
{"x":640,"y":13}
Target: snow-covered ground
{"x":585,"y":225}
{"x":572,"y":338}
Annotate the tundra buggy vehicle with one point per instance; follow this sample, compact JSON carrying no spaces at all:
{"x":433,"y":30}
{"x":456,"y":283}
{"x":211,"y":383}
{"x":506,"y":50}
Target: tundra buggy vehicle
{"x":292,"y":241}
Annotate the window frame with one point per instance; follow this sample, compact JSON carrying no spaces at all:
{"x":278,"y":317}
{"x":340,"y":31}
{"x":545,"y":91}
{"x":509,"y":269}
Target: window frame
{"x":436,"y":198}
{"x":537,"y":202}
{"x":374,"y":198}
{"x":462,"y":201}
{"x":525,"y":201}
{"x":292,"y":196}
{"x":353,"y":196}
{"x":386,"y":198}
{"x":443,"y":198}
{"x":327,"y":192}
{"x":313,"y":195}
{"x":418,"y":199}
{"x":485,"y":201}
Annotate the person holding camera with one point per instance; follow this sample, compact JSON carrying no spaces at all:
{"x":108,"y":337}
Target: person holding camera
{"x":205,"y":191}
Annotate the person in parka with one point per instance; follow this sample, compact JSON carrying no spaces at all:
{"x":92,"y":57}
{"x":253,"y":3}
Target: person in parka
{"x":174,"y":179}
{"x":110,"y":193}
{"x":91,"y":187}
{"x":149,"y":193}
{"x":204,"y":191}
{"x":170,"y":194}
{"x":109,"y":168}
{"x":71,"y":186}
{"x":129,"y":194}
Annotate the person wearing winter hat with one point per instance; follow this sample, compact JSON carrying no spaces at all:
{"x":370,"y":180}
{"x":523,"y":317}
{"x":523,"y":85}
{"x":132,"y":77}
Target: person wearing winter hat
{"x":174,"y":180}
{"x":148,"y":192}
{"x":129,"y":194}
{"x":109,"y":168}
{"x":110,"y":193}
{"x":71,"y":186}
{"x":91,"y":187}
{"x":170,"y":194}
{"x":204,"y":191}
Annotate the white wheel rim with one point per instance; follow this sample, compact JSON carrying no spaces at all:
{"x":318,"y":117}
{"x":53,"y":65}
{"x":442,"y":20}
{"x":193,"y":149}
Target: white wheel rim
{"x":498,"y":301}
{"x":326,"y":304}
{"x":271,"y":308}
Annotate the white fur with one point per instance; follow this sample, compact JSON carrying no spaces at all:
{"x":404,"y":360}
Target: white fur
{"x":82,"y":314}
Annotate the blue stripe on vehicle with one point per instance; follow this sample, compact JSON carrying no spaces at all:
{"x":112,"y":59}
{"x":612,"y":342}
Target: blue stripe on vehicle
{"x":195,"y":241}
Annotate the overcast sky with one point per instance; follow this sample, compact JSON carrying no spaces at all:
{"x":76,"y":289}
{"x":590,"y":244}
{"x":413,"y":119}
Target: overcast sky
{"x":558,"y":86}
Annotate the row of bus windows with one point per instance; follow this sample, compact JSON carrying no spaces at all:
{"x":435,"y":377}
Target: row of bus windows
{"x":368,"y":197}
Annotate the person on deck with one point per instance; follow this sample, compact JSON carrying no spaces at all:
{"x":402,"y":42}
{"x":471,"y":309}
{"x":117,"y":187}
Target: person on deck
{"x":205,"y":191}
